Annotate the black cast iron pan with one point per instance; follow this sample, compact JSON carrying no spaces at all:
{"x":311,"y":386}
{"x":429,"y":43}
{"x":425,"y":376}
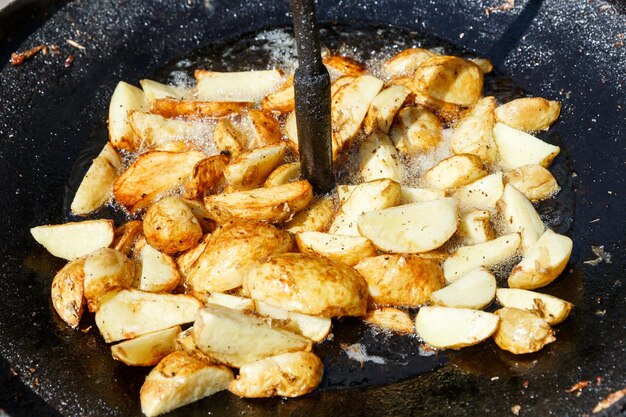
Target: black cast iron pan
{"x":567,"y":50}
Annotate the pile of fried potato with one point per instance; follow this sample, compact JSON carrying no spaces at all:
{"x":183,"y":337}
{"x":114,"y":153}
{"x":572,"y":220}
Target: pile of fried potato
{"x":229,"y":260}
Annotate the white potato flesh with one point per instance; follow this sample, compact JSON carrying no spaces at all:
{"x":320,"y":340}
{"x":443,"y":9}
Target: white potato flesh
{"x":158,"y":271}
{"x":455,"y":171}
{"x":154,"y":90}
{"x":237,"y":86}
{"x":475,"y":227}
{"x":411,"y":228}
{"x":552,"y":309}
{"x":154,"y":130}
{"x":475,"y":290}
{"x":105,"y":269}
{"x":391,"y":319}
{"x":231,"y":301}
{"x":179,"y":379}
{"x":235,"y":338}
{"x":291,"y":128}
{"x":125,"y":99}
{"x":347,"y":249}
{"x":313,"y":327}
{"x":252,"y":168}
{"x":283,"y":174}
{"x":529,"y":113}
{"x":365,"y":197}
{"x":534,"y":181}
{"x":454,"y":328}
{"x":543,"y":263}
{"x":343,"y":192}
{"x":379,"y":159}
{"x":520,"y":216}
{"x":491,"y":253}
{"x":348,"y":109}
{"x":482,"y":194}
{"x":517,"y":148}
{"x":406,"y":61}
{"x":417,"y":195}
{"x":147,"y":349}
{"x":521,"y":331}
{"x":128,"y":313}
{"x":287,"y":375}
{"x":473,"y":134}
{"x":384,"y":108}
{"x":317,"y":217}
{"x":75,"y":239}
{"x":97,"y":185}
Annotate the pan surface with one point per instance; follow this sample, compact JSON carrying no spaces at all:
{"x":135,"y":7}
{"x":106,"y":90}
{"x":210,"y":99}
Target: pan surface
{"x":565,"y":50}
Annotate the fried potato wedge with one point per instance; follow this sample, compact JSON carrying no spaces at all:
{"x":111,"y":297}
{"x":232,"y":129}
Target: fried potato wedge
{"x":379,"y":159}
{"x":74,"y":239}
{"x":473,"y":134}
{"x":490,"y":253}
{"x":207,"y":176}
{"x":454,"y":328}
{"x":517,"y":148}
{"x":409,"y":195}
{"x":406,"y":61}
{"x":347,"y":249}
{"x":186,"y":343}
{"x":105,"y":269}
{"x":534,"y":181}
{"x":167,"y":107}
{"x":287,"y":375}
{"x":543,"y":262}
{"x":147,"y":349}
{"x":552,"y":309}
{"x":230,"y":250}
{"x":236,"y":338}
{"x":283,"y":174}
{"x":475,"y":290}
{"x":282,"y":100}
{"x":128,"y":313}
{"x":343,"y":192}
{"x":126,"y":235}
{"x":415,"y":130}
{"x":315,"y":218}
{"x":202,"y":214}
{"x":151,"y":175}
{"x":384,"y":107}
{"x":291,"y":128}
{"x":365,"y":197}
{"x":482,"y":194}
{"x":125,"y":99}
{"x":521,"y":331}
{"x":180,"y":379}
{"x":450,"y":79}
{"x":271,"y":204}
{"x":401,"y":280}
{"x":344,"y":65}
{"x":390,"y":318}
{"x":313,"y":327}
{"x":97,"y":185}
{"x":170,"y":226}
{"x":265,"y":129}
{"x":158,"y":272}
{"x":485,"y":65}
{"x":154,"y":90}
{"x":339,"y":83}
{"x":529,"y":113}
{"x":520,"y":216}
{"x":245,"y":86}
{"x":307,"y":283}
{"x":231,"y":301}
{"x":187,"y":259}
{"x":455,"y":171}
{"x":154,"y":130}
{"x":411,"y":228}
{"x":252,"y":168}
{"x":349,"y":106}
{"x":475,"y":227}
{"x":67,"y":292}
{"x":227,"y":137}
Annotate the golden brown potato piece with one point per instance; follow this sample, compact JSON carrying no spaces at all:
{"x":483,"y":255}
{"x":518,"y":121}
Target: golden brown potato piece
{"x":283,"y":100}
{"x":379,"y":159}
{"x":551,"y":309}
{"x":154,"y":90}
{"x":227,"y":137}
{"x":315,"y":218}
{"x":168,"y":107}
{"x":347,"y":249}
{"x":75,"y":239}
{"x":147,"y":349}
{"x":450,"y":79}
{"x":534,"y":181}
{"x":339,"y":83}
{"x":170,"y":226}
{"x":67,"y":292}
{"x":392,"y":319}
{"x":384,"y":108}
{"x":230,"y":250}
{"x":345,"y":65}
{"x":474,"y":132}
{"x":283,"y":174}
{"x":180,"y":379}
{"x":287,"y":375}
{"x":241,"y":86}
{"x":529,"y":114}
{"x":152,"y":174}
{"x":207,"y":176}
{"x":406,"y":61}
{"x":520,"y":331}
{"x":455,"y":171}
{"x":186,"y":260}
{"x":126,"y":235}
{"x":265,"y":129}
{"x":485,"y":65}
{"x":415,"y":130}
{"x":157,"y":131}
{"x":272,"y":204}
{"x":401,"y":280}
{"x":105,"y":269}
{"x":125,"y":99}
{"x":251,"y":168}
{"x":202,"y":214}
{"x":308,"y":284}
